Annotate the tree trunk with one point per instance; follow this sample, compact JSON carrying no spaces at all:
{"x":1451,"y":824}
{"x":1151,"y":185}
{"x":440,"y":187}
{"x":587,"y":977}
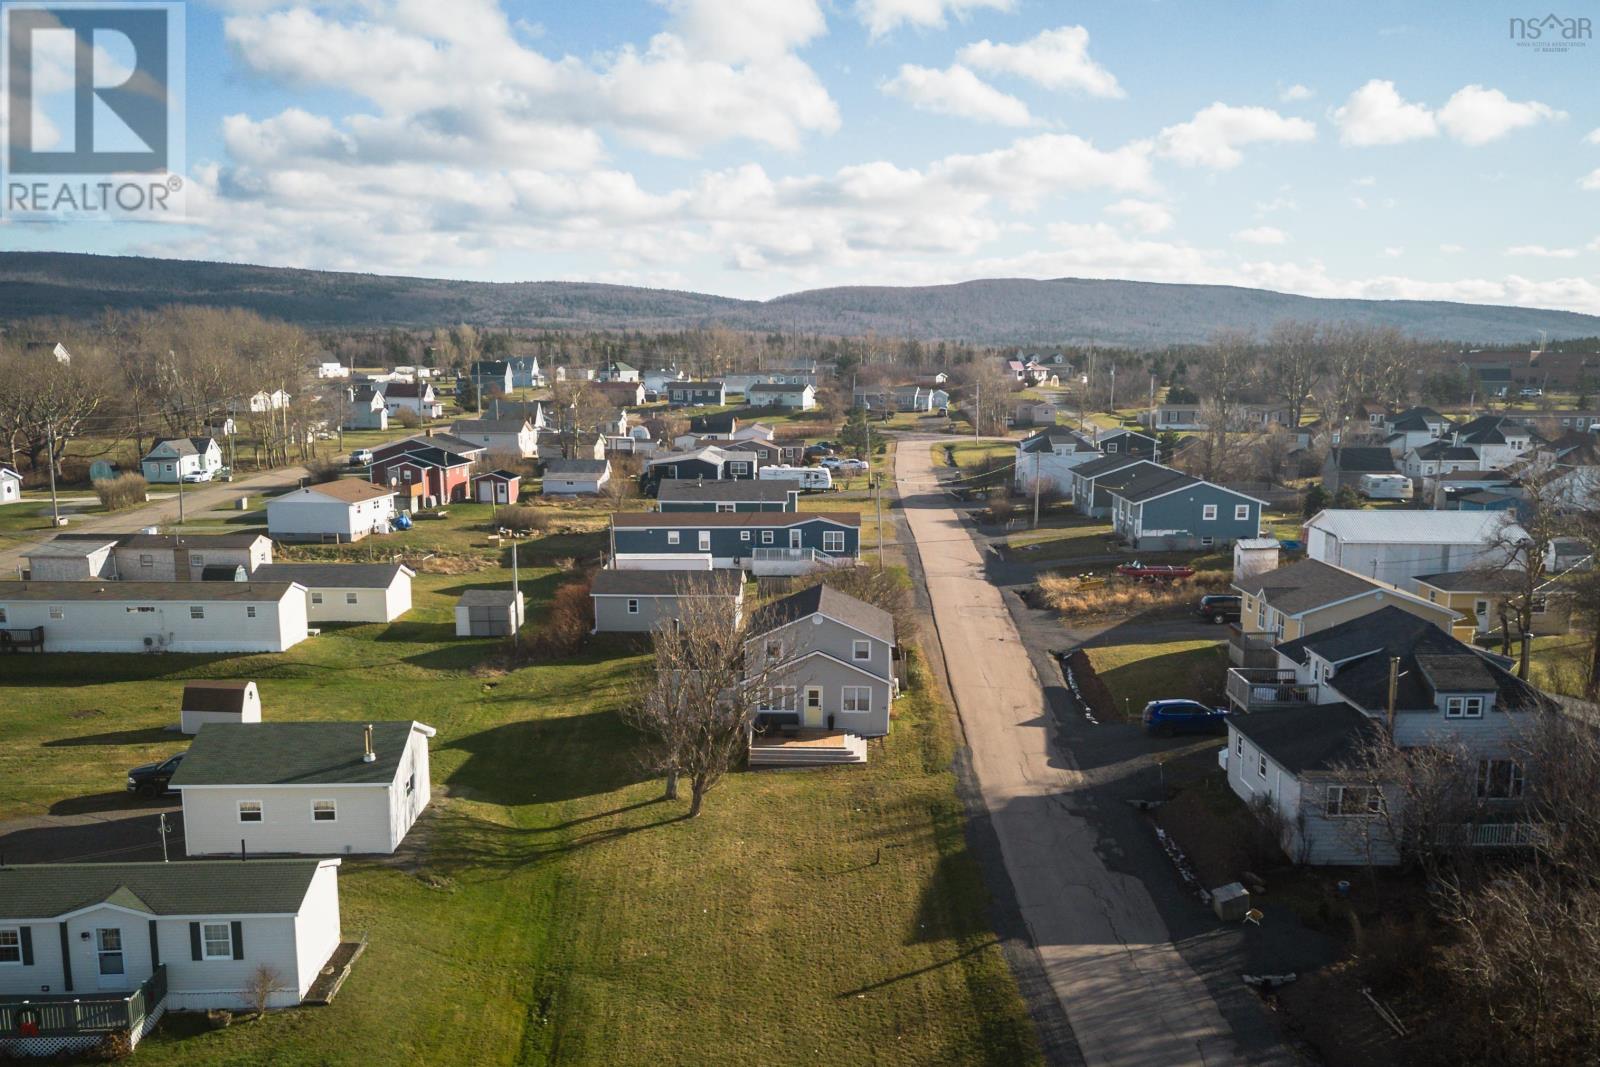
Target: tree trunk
{"x":672,"y":785}
{"x":697,"y":797}
{"x":1591,"y":686}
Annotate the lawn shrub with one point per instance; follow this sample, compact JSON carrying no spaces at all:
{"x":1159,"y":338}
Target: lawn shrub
{"x":123,"y":491}
{"x":570,"y":618}
{"x":1125,"y":596}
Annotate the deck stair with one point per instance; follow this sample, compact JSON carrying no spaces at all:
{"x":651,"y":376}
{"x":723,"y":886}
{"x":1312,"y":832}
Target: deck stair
{"x":808,"y":748}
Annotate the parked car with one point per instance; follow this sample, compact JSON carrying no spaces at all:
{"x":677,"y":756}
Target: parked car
{"x":151,"y":779}
{"x":197,"y":476}
{"x":856,"y":466}
{"x":1183,"y":717}
{"x":1532,"y":391}
{"x":832,"y":462}
{"x":1220,"y":607}
{"x":361,"y":457}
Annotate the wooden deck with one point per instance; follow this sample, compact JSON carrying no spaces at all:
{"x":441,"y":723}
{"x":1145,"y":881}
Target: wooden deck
{"x":807,"y":748}
{"x":802,"y":739}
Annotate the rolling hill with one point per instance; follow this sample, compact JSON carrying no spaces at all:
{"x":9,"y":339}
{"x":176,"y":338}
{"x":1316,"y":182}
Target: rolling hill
{"x":994,"y":311}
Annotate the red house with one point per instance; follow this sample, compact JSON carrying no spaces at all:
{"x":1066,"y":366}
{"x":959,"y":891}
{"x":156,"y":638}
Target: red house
{"x":441,"y":464}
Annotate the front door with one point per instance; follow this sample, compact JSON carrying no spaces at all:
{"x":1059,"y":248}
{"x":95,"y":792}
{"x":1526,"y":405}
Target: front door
{"x":811,"y":710}
{"x":112,"y":969}
{"x":500,"y":492}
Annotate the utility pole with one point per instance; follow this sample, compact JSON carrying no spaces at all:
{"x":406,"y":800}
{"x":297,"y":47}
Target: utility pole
{"x":180,"y":490}
{"x":977,"y":407}
{"x":516,"y":608}
{"x":344,"y":392}
{"x":1036,"y":487}
{"x":1113,"y":387}
{"x":163,"y":832}
{"x":877,"y":507}
{"x":50,"y":461}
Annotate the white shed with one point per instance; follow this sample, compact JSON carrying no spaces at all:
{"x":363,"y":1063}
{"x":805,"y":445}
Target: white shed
{"x":344,"y":510}
{"x":489,"y":613}
{"x":208,"y":702}
{"x":10,"y":486}
{"x":324,"y":788}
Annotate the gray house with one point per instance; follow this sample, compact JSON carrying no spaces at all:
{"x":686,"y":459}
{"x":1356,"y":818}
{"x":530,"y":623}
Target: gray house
{"x":1163,"y":510}
{"x":694,"y":394}
{"x":830,"y":658}
{"x":639,"y":601}
{"x":1092,"y":482}
{"x":1345,"y":466}
{"x":681,"y":494}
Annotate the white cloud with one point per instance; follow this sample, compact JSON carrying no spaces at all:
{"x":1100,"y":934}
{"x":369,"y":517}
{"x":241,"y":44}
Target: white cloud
{"x":1212,"y":138}
{"x":1594,"y":136}
{"x":1542,"y":252}
{"x":734,"y":31}
{"x":1394,"y":252}
{"x":957,"y":91}
{"x":1452,"y":250}
{"x":882,"y":16}
{"x":1376,"y":114}
{"x":1475,"y":115}
{"x":1366,"y":181}
{"x":1282,"y":202}
{"x":1295,"y":92}
{"x":1591,"y":181}
{"x":1146,"y":216}
{"x":1055,"y":59}
{"x":1262,"y":235}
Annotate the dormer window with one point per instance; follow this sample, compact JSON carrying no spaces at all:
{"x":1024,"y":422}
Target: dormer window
{"x":1463,"y":707}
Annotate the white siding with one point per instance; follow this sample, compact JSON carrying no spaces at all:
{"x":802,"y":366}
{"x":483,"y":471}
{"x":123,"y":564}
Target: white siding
{"x":212,"y":828}
{"x":109,"y":626}
{"x":306,"y":513}
{"x":371,"y":605}
{"x":197,"y":984}
{"x":316,"y":928}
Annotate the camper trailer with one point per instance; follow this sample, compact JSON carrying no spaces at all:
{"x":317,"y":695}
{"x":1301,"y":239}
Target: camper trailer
{"x":1385,"y":487}
{"x":811,"y":479}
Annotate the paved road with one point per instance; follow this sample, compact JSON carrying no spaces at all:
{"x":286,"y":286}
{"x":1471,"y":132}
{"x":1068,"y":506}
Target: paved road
{"x":1128,"y":994}
{"x":162,"y":512}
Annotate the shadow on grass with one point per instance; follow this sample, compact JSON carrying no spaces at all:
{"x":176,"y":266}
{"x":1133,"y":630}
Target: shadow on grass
{"x":68,"y":669}
{"x":891,"y":980}
{"x":465,"y":845}
{"x":149,"y":736}
{"x":99,"y":803}
{"x":545,"y":761}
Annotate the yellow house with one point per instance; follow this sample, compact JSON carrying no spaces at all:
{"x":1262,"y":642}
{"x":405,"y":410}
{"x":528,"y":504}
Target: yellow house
{"x":1479,"y":595}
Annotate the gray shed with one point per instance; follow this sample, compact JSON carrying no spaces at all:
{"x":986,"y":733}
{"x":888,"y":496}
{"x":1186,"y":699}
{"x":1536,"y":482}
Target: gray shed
{"x":488,"y":613}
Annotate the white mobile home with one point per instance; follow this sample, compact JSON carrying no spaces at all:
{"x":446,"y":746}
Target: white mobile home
{"x":325,"y":788}
{"x":157,"y":616}
{"x":344,"y":510}
{"x":347,"y":592}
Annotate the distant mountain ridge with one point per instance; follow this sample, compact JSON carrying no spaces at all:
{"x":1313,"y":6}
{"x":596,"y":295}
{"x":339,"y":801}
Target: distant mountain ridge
{"x":1002,"y":311}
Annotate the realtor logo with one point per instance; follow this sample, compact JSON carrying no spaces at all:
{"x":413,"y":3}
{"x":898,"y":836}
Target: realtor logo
{"x":93,"y":113}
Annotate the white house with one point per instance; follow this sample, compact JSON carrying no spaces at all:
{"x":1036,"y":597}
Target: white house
{"x":347,"y":592}
{"x":782,"y":395}
{"x":365,"y":409}
{"x":508,"y":437}
{"x":142,"y":557}
{"x":79,"y":940}
{"x":332,"y":369}
{"x":157,"y":616}
{"x":568,"y":477}
{"x":324,"y":788}
{"x":207,"y":702}
{"x":272,"y":400}
{"x":344,"y":510}
{"x":170,"y":459}
{"x":1497,"y":439}
{"x":1048,"y":458}
{"x":418,"y":397}
{"x":1396,"y":546}
{"x":10,"y":486}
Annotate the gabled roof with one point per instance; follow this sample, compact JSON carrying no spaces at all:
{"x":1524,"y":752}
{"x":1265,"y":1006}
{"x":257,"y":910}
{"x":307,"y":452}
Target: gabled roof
{"x":1106,"y":465}
{"x":185,"y":887}
{"x":215,"y":696}
{"x":1308,"y":584}
{"x":1047,"y":438}
{"x":825,"y":600}
{"x":1444,"y":450}
{"x":778,"y":387}
{"x":576,"y":466}
{"x":487,"y":598}
{"x":667,"y":583}
{"x":1394,"y":526}
{"x":1489,"y":430}
{"x":1318,"y":737}
{"x":1418,"y":419}
{"x":713,"y":454}
{"x":1363,"y":460}
{"x":487,"y":426}
{"x":726,"y":490}
{"x":134,"y":592}
{"x":693,"y":385}
{"x":334,"y":575}
{"x":294,"y":753}
{"x":1476,"y":476}
{"x":349,"y":490}
{"x":406,"y":390}
{"x":1483,"y":581}
{"x":1143,"y":482}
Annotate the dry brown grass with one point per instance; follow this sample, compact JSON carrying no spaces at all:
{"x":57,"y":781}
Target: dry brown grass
{"x":1121,"y":596}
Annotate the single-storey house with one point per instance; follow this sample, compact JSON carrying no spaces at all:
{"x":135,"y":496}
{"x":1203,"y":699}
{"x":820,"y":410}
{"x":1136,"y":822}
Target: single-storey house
{"x":1345,"y":466}
{"x":497,"y":487}
{"x":829,"y":659}
{"x":708,"y":463}
{"x":744,"y":494}
{"x":767,"y":542}
{"x":264,"y":400}
{"x":570,"y":477}
{"x":142,"y":557}
{"x":782,"y":395}
{"x":623,"y":394}
{"x":489,"y":613}
{"x":716,"y":423}
{"x":207,"y":702}
{"x":326,"y":788}
{"x":1398,"y":545}
{"x":171,"y":459}
{"x":1153,"y":510}
{"x":637,"y":601}
{"x":90,"y":949}
{"x":617,"y":371}
{"x":514,"y":436}
{"x":72,"y":559}
{"x":696,"y":394}
{"x":347,"y":592}
{"x":344,"y":510}
{"x":1126,"y":443}
{"x":1174,"y":417}
{"x":1479,"y":595}
{"x":157,"y":616}
{"x":10,"y":486}
{"x":1427,"y":462}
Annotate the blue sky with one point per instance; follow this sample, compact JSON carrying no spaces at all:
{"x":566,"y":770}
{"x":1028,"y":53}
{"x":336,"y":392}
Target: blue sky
{"x":755,"y":147}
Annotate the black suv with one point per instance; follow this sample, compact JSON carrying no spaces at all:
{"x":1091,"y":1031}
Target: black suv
{"x":151,"y":779}
{"x":1220,"y":608}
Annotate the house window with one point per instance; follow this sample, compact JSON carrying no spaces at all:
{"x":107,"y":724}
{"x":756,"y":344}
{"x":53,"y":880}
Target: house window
{"x":672,"y":537}
{"x":744,"y":535}
{"x":781,"y":698}
{"x":861,"y":650}
{"x":766,"y":537}
{"x":316,"y":598}
{"x":216,"y":940}
{"x":1480,"y":608}
{"x":857,"y":698}
{"x":1538,"y":605}
{"x":351,"y":598}
{"x":1499,"y":779}
{"x":1238,"y":745}
{"x":633,"y":607}
{"x":1241,"y":512}
{"x":197,"y":611}
{"x":249,"y":811}
{"x":1111,"y":447}
{"x":10,"y":945}
{"x":324,"y":811}
{"x":250,"y":612}
{"x":725,"y":507}
{"x":833,"y":540}
{"x":737,"y":469}
{"x":1261,"y":766}
{"x":1206,"y":542}
{"x":197,"y":561}
{"x":1347,"y":800}
{"x":1208,"y":513}
{"x":2,"y":615}
{"x":1463,"y":708}
{"x":704,"y":541}
{"x":146,"y":560}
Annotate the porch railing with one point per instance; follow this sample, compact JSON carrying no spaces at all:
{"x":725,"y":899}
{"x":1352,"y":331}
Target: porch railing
{"x":796,"y":555}
{"x":1255,"y":689}
{"x":93,"y":1013}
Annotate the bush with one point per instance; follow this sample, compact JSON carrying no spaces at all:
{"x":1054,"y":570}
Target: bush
{"x":521,"y":517}
{"x":570,"y":620}
{"x":123,"y":491}
{"x":321,"y":471}
{"x":408,"y":419}
{"x":1346,"y":497}
{"x":1316,"y":500}
{"x":1001,"y":506}
{"x":1122,"y":596}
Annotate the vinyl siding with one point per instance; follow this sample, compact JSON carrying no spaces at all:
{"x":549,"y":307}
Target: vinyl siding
{"x":109,"y":627}
{"x":212,"y":827}
{"x":372,"y":605}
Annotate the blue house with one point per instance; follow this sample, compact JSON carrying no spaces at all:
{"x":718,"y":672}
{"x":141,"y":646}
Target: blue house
{"x":766,"y":542}
{"x":703,"y":464}
{"x":525,"y":373}
{"x":1160,"y":509}
{"x":1126,"y":443}
{"x":741,"y":495}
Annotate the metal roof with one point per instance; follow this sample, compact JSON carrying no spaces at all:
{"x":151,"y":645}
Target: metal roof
{"x":1395,"y":526}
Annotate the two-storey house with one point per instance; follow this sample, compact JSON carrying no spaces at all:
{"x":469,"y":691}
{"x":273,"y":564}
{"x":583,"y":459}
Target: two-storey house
{"x":1164,"y":510}
{"x":829,"y":662}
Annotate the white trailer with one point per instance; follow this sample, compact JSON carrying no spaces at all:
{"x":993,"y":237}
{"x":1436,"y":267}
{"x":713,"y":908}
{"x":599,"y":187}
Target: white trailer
{"x":811,"y":479}
{"x":1385,"y":487}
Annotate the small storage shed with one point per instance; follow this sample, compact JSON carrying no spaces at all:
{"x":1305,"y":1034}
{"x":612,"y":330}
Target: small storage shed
{"x":205,"y":702}
{"x":488,"y":613}
{"x":497,"y":487}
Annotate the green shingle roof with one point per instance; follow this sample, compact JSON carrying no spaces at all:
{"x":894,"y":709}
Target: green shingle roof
{"x":223,"y":887}
{"x":292,"y":753}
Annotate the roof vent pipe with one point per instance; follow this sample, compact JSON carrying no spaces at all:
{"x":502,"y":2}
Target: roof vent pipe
{"x":369,"y":756}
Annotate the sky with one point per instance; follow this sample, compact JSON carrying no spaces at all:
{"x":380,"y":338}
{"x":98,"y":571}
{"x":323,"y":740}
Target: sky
{"x":756,"y":147}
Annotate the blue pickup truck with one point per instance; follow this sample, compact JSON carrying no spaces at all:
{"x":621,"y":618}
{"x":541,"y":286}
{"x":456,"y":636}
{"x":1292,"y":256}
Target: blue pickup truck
{"x":1183,"y":717}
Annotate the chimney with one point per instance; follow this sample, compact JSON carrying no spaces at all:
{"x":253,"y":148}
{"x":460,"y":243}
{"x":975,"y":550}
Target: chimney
{"x":369,"y":756}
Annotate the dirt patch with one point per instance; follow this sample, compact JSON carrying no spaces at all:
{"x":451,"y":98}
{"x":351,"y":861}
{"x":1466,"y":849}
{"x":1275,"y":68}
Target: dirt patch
{"x":86,"y":713}
{"x":1090,"y":689}
{"x":1326,"y":1011}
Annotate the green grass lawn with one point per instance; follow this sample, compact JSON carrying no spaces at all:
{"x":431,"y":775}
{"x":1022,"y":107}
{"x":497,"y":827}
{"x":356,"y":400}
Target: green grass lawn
{"x":1138,"y":674}
{"x":557,"y":912}
{"x":1060,"y":541}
